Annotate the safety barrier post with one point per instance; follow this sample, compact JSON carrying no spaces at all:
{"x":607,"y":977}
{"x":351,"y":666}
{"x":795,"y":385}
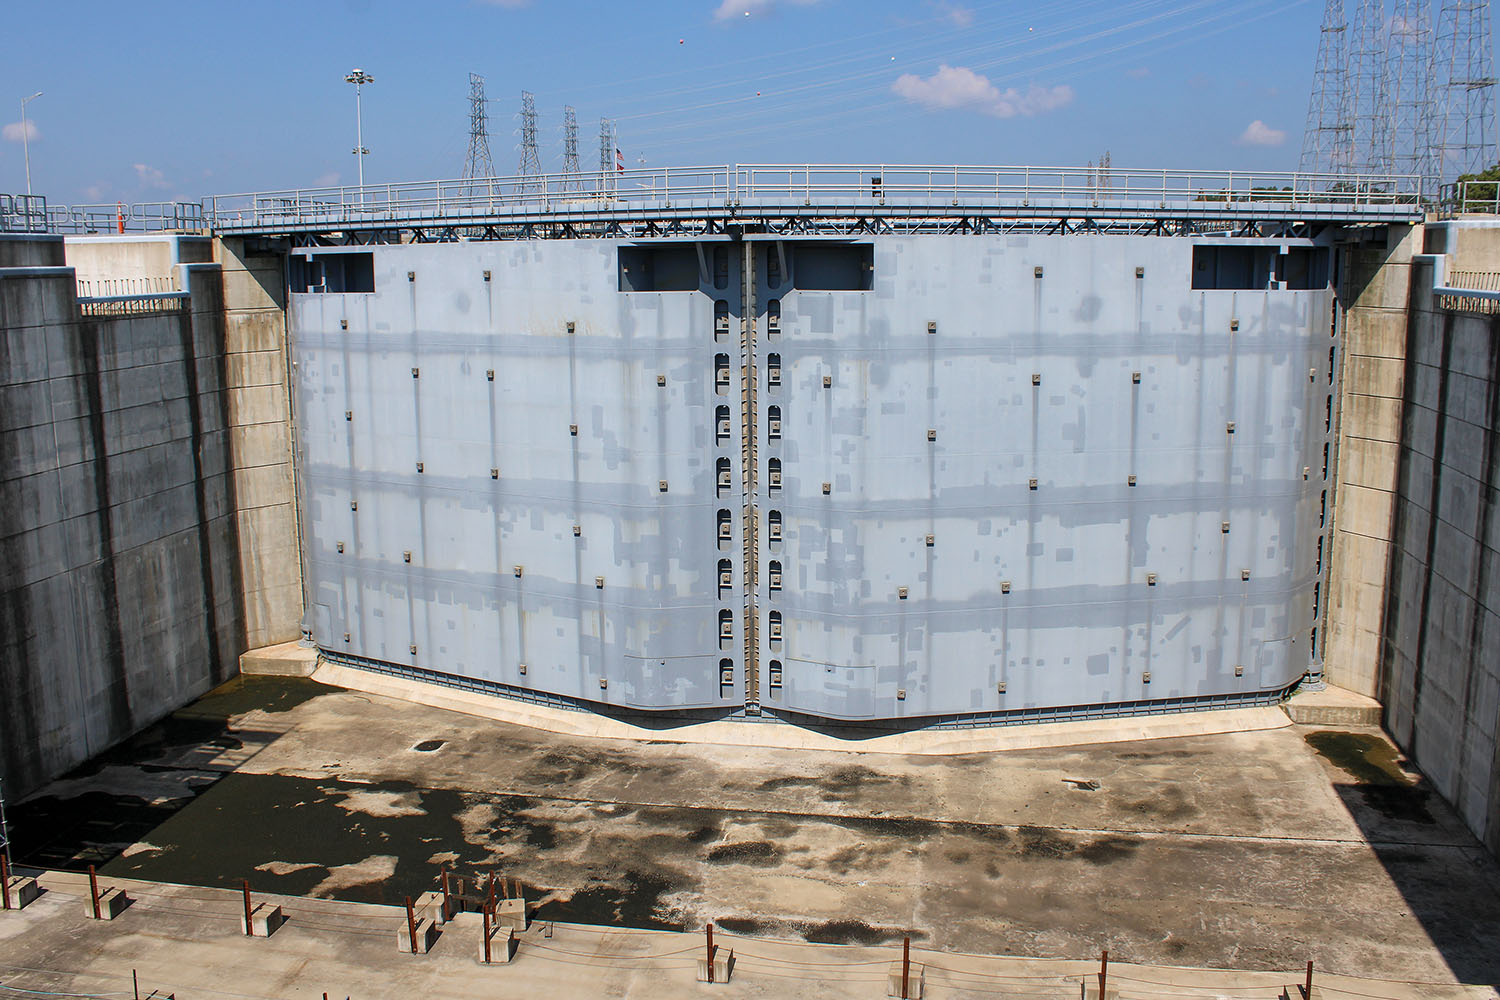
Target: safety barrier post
{"x":94,"y":891}
{"x":905,"y":967}
{"x":4,"y":881}
{"x":1103,"y":971}
{"x":710,"y":952}
{"x":411,"y":925}
{"x":249,"y":927}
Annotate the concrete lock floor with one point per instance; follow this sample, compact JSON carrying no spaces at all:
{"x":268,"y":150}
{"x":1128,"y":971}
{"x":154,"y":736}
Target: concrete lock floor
{"x":1253,"y":850}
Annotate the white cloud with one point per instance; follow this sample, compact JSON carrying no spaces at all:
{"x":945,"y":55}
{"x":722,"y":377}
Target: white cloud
{"x":1139,"y":72}
{"x":960,"y":87}
{"x":95,"y":192}
{"x":749,"y":8}
{"x":12,"y":131}
{"x":1258,"y":133}
{"x":149,"y":176}
{"x":955,"y":14}
{"x":328,"y":179}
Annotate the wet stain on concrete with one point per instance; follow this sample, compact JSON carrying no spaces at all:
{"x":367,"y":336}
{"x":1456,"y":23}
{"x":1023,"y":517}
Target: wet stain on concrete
{"x":1383,"y":783}
{"x":853,"y":932}
{"x":634,"y":901}
{"x":1041,"y":842}
{"x":753,"y":852}
{"x":839,"y":783}
{"x":825,"y":932}
{"x":1166,"y":804}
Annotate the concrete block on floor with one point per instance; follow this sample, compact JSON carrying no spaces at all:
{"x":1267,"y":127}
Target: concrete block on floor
{"x":511,"y":913}
{"x":427,"y":935}
{"x":112,"y":903}
{"x":915,"y":981}
{"x":502,"y":946}
{"x":723,"y":965}
{"x":1333,"y":706}
{"x":430,"y":905}
{"x":286,"y":659}
{"x":21,"y":891}
{"x":264,"y":919}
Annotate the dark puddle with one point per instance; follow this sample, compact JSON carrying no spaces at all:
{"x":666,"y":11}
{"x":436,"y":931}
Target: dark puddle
{"x":68,"y":831}
{"x":1376,"y":766}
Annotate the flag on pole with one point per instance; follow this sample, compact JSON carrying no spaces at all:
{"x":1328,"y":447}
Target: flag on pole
{"x":619,"y":160}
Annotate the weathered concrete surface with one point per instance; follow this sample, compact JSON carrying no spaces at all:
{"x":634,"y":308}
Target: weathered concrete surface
{"x":1333,"y":706}
{"x":261,"y":442}
{"x":1376,"y":282}
{"x":129,"y":265}
{"x":1441,"y":665}
{"x":285,"y":659}
{"x":118,"y":591}
{"x":185,"y":941}
{"x":1241,"y":850}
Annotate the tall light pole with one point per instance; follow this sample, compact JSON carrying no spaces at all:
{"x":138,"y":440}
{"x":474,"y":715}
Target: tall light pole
{"x":359,"y":78}
{"x":26,"y":138}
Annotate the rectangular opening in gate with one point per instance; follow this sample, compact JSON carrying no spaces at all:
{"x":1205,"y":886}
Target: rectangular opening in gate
{"x":832,"y":267}
{"x":1218,"y":266}
{"x":1302,"y":268}
{"x":331,"y":272}
{"x":671,"y":268}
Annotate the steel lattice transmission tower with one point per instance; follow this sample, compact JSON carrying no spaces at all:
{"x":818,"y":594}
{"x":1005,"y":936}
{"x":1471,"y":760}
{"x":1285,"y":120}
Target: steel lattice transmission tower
{"x":1328,"y":136}
{"x":1371,"y":111}
{"x":606,"y":155}
{"x":1411,"y":99}
{"x":531,"y":161}
{"x":570,"y":149}
{"x":1464,"y":64}
{"x":477,"y":163}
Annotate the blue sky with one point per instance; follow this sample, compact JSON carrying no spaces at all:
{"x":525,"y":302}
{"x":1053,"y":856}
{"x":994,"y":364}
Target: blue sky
{"x":156,"y":101}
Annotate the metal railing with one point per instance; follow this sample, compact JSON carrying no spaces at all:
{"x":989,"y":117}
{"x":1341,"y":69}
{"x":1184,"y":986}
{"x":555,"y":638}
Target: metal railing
{"x":1027,"y":185}
{"x":803,"y":185}
{"x":23,"y":213}
{"x":481,"y":197}
{"x":138,"y":217}
{"x":1471,"y":198}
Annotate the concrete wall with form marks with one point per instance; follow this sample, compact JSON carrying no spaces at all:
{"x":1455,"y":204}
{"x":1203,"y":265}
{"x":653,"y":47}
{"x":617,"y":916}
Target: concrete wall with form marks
{"x":893,"y":477}
{"x":119,"y":597}
{"x":1440,"y":663}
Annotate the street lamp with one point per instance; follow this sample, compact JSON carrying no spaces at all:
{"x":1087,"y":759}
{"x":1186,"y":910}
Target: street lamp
{"x":359,"y":78}
{"x":26,"y":138}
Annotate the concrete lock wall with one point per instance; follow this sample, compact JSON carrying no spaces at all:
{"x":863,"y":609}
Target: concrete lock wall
{"x":512,"y":455}
{"x":118,"y":563}
{"x":1440,"y":663}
